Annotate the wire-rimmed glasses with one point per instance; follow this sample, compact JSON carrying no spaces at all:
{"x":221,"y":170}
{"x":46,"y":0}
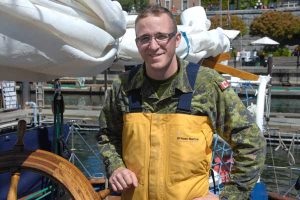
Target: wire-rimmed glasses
{"x":160,"y":38}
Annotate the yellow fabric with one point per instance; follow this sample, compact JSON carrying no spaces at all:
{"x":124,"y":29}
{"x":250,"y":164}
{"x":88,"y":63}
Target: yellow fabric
{"x":169,"y":153}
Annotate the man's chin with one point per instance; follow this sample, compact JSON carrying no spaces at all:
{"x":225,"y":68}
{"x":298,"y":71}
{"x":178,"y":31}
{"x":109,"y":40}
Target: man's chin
{"x":156,"y":66}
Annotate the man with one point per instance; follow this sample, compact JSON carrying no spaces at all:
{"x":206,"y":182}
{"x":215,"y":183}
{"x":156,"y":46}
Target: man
{"x":159,"y":120}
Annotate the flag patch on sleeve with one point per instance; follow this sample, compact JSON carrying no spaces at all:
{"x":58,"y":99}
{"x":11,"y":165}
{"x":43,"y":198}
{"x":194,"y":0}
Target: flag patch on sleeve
{"x":225,"y":84}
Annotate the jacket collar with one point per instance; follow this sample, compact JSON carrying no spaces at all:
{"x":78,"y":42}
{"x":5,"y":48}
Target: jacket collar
{"x":140,"y":82}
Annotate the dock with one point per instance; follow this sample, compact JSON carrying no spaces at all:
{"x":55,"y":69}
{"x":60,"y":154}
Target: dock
{"x":89,"y":115}
{"x":9,"y":119}
{"x":285,"y":121}
{"x":281,"y":127}
{"x":281,"y":121}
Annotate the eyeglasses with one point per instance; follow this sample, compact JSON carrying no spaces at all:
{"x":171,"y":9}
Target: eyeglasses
{"x":160,"y":38}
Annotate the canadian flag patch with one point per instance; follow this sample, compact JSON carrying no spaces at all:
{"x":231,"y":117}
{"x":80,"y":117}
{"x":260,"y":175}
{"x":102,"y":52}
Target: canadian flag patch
{"x":225,"y":84}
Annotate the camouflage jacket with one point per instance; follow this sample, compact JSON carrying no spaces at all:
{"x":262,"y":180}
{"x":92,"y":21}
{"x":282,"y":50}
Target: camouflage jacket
{"x":230,"y":119}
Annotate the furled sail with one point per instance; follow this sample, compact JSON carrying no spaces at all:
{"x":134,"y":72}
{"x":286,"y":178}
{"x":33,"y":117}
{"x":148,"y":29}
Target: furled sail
{"x":47,"y":39}
{"x":43,"y":39}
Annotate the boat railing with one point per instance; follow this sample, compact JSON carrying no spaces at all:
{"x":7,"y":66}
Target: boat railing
{"x":285,"y":140}
{"x":75,"y":136}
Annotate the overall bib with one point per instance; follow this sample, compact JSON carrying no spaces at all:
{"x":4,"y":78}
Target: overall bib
{"x":169,"y":153}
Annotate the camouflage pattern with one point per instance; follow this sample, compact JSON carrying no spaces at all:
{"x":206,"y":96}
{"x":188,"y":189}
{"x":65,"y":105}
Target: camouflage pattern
{"x":229,"y":118}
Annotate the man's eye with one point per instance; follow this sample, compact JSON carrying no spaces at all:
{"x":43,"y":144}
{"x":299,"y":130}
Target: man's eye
{"x":161,"y":36}
{"x":145,"y":39}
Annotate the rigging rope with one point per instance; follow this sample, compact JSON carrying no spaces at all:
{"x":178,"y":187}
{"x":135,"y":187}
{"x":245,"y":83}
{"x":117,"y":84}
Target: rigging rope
{"x":272,"y":157}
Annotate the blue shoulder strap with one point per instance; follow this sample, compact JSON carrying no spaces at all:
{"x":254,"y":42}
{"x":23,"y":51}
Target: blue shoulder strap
{"x":134,"y":96}
{"x":184,"y":103}
{"x":134,"y":100}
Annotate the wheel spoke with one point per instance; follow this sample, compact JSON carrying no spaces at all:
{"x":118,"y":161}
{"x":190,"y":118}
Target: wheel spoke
{"x":13,"y":188}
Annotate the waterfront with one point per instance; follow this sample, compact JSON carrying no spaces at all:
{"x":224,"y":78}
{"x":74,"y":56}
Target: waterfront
{"x":279,"y":179}
{"x":280,"y":173}
{"x":285,"y":104}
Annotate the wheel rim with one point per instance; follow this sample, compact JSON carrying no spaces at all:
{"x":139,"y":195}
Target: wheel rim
{"x":52,"y":166}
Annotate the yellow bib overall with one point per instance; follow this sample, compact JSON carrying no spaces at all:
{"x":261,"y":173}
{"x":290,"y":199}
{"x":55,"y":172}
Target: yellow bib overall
{"x":169,"y":153}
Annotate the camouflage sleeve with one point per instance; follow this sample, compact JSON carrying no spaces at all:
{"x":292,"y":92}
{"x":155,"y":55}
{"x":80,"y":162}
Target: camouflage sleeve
{"x":236,"y":126}
{"x":110,"y":137}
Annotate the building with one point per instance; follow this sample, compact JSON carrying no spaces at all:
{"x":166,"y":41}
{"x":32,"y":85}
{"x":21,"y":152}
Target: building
{"x":176,"y":6}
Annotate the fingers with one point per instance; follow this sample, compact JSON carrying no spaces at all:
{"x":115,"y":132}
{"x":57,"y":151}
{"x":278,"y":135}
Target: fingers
{"x":134,"y":180}
{"x":213,"y":196}
{"x":123,"y":179}
{"x":116,"y":186}
{"x":209,"y":196}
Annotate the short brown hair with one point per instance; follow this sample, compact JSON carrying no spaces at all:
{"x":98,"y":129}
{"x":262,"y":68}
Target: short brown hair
{"x":156,"y":10}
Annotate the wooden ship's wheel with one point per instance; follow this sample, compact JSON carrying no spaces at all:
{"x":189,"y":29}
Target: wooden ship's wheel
{"x":56,"y":168}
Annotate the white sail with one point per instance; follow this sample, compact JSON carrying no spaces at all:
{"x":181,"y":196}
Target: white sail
{"x":43,"y":40}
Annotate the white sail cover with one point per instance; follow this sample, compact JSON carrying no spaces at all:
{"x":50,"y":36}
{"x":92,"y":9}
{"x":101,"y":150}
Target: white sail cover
{"x":197,"y":41}
{"x":46,"y":39}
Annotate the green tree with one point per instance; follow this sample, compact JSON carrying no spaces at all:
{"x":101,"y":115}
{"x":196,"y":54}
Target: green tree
{"x":236,"y":4}
{"x":127,"y":5}
{"x":138,"y":5}
{"x":277,"y":25}
{"x":229,"y":22}
{"x":212,"y":4}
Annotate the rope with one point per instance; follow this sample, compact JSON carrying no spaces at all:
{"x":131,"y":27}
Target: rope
{"x":290,"y":155}
{"x":248,"y":86}
{"x":273,"y":162}
{"x":289,"y":190}
{"x":291,"y":158}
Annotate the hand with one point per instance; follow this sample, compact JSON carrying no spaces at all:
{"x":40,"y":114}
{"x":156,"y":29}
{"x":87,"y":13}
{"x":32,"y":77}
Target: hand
{"x":122,"y":179}
{"x":209,"y":196}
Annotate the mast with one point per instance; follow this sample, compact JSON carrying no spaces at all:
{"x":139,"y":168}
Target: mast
{"x":221,"y":15}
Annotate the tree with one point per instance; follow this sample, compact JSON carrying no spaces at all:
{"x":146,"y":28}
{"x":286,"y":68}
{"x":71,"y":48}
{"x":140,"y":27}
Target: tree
{"x":127,"y":5}
{"x":277,"y":25}
{"x":229,"y":22}
{"x":212,"y":4}
{"x":235,"y":4}
{"x":138,"y":5}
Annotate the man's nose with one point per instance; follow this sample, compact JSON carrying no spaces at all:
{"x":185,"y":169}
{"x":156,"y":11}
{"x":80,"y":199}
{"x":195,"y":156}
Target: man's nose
{"x":153,"y":43}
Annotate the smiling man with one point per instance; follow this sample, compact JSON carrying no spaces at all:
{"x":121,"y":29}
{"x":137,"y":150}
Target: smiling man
{"x":159,"y":120}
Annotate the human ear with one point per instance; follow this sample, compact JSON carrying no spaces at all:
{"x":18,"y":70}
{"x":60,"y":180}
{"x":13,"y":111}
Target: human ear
{"x":178,"y":38}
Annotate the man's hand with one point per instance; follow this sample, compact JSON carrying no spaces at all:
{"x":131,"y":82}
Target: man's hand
{"x":122,"y":179}
{"x":209,"y":196}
